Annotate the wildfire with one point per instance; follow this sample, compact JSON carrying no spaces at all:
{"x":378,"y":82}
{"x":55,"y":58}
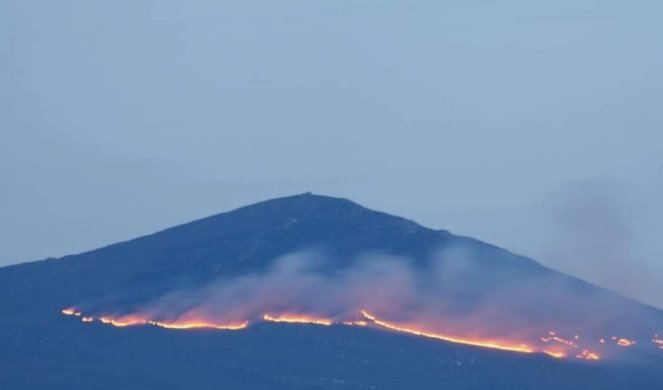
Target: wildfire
{"x":552,"y":344}
{"x":297,"y":319}
{"x":584,"y":354}
{"x":553,"y":337}
{"x":477,"y":343}
{"x":123,"y":321}
{"x":71,"y":312}
{"x":625,"y":342}
{"x":200,"y":325}
{"x":355,"y":323}
{"x":658,"y":341}
{"x":133,"y":320}
{"x":555,"y":354}
{"x":587,"y":355}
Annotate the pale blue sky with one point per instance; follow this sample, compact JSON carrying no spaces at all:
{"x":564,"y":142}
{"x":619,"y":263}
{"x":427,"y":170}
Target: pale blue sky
{"x":534,"y":125}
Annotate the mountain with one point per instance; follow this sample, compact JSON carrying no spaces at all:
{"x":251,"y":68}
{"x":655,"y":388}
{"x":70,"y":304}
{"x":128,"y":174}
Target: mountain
{"x":472,"y":287}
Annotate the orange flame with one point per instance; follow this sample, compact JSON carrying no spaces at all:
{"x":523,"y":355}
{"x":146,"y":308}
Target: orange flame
{"x":71,"y":312}
{"x":553,"y":337}
{"x":477,"y":343}
{"x":587,"y":355}
{"x":625,"y":342}
{"x":133,"y":320}
{"x":555,"y":354}
{"x":658,"y":341}
{"x":297,"y":319}
{"x":123,"y":321}
{"x":370,"y":319}
{"x":200,"y":325}
{"x":584,"y":354}
{"x":355,"y":323}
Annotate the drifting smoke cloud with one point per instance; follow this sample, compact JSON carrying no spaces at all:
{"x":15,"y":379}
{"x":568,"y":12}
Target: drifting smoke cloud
{"x":491,"y":296}
{"x":297,"y":284}
{"x":594,"y":239}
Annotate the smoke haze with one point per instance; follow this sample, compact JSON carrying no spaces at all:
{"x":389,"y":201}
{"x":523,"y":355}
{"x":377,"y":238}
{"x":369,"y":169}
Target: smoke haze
{"x":456,"y":295}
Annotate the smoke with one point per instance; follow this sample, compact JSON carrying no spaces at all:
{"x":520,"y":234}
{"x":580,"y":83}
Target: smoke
{"x":595,"y":239}
{"x":460,"y":292}
{"x":296,"y":284}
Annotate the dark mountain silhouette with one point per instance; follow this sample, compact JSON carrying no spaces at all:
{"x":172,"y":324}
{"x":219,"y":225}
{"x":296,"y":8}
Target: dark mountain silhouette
{"x":40,"y":349}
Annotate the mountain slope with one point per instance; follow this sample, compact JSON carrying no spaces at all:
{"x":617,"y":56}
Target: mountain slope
{"x":507,"y":291}
{"x":246,"y":239}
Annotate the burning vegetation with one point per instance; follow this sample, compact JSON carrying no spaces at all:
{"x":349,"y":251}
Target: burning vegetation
{"x":297,"y":319}
{"x":551,"y":344}
{"x":383,"y":295}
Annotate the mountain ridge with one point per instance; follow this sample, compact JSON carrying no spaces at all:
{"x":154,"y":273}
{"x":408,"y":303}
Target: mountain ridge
{"x":509,"y":292}
{"x":264,"y":220}
{"x":218,"y":217}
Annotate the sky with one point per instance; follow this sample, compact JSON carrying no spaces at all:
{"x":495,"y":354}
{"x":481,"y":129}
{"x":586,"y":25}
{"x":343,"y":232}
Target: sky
{"x":534,"y":125}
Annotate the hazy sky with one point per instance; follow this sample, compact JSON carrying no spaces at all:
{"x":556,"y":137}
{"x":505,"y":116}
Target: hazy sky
{"x":534,"y":125}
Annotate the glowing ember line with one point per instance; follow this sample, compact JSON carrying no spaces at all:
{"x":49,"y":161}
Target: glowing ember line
{"x":200,"y":325}
{"x":625,"y":342}
{"x":133,"y":320}
{"x":292,"y":319}
{"x":123,"y":321}
{"x":72,"y":312}
{"x":658,"y":341}
{"x":193,"y":323}
{"x":522,"y":348}
{"x":355,"y":323}
{"x":555,"y":354}
{"x":553,"y":337}
{"x":587,"y":355}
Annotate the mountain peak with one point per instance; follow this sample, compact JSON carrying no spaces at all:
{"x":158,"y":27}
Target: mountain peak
{"x":247,"y":239}
{"x":252,"y":236}
{"x":307,"y":219}
{"x":309,"y":205}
